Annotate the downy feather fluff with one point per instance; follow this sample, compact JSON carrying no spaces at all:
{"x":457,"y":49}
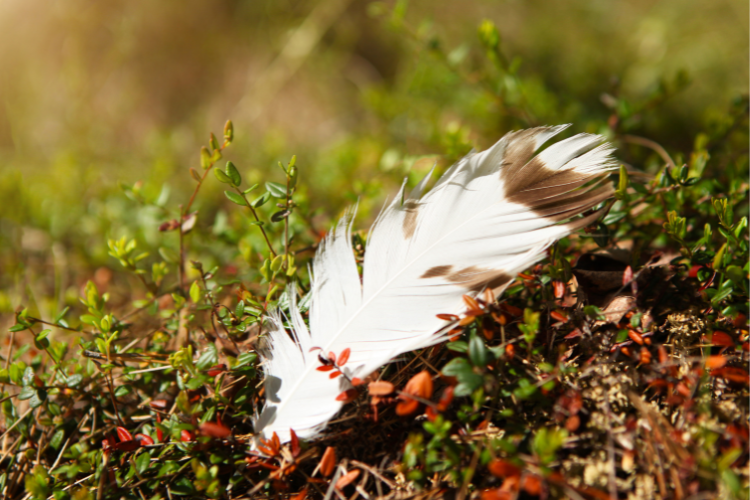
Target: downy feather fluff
{"x":490,"y":216}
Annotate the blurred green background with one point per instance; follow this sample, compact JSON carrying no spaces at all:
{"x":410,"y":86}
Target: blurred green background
{"x":97,"y":93}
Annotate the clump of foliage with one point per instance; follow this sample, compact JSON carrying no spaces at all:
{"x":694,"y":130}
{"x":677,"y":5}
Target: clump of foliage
{"x":616,"y":369}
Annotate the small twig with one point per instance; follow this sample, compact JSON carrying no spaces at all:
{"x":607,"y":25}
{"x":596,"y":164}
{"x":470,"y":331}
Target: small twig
{"x":642,"y":141}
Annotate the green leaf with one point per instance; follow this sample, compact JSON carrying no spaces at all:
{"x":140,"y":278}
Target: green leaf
{"x":235,"y":198}
{"x":280,"y":215}
{"x":276,"y":190}
{"x":251,"y":188}
{"x":477,"y":352}
{"x":246,"y":358}
{"x":233,"y":173}
{"x":142,"y":462}
{"x":222,"y":176}
{"x":261,"y":200}
{"x":195,"y":292}
{"x":208,"y":358}
{"x":719,"y":257}
{"x":57,"y":439}
{"x":26,"y":393}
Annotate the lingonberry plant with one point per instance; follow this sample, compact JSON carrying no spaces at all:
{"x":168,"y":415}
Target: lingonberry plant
{"x":618,"y":367}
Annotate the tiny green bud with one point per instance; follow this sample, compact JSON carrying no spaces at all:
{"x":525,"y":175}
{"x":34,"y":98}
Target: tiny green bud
{"x":213,"y":142}
{"x":228,"y":131}
{"x":205,"y":158}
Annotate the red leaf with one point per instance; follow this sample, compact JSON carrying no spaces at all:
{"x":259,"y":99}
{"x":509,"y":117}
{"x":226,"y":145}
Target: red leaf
{"x":215,"y":430}
{"x":335,"y":374}
{"x":332,"y":357}
{"x":294,"y":443}
{"x":328,"y":462}
{"x":663,"y":357}
{"x":144,"y":440}
{"x":732,"y":374}
{"x":445,"y":399}
{"x":325,"y":368}
{"x":108,"y":442}
{"x":380,"y":388}
{"x":159,"y":435}
{"x":186,"y":436}
{"x":344,"y":356}
{"x":123,"y":434}
{"x":559,"y":316}
{"x":722,"y":339}
{"x":496,"y":494}
{"x":627,"y":276}
{"x":347,"y":395}
{"x":131,"y":445}
{"x":216,"y":370}
{"x":357,"y":381}
{"x":159,"y":404}
{"x":693,"y":273}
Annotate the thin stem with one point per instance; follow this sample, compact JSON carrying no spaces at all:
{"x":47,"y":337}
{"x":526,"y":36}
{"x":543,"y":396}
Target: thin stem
{"x":255,"y":215}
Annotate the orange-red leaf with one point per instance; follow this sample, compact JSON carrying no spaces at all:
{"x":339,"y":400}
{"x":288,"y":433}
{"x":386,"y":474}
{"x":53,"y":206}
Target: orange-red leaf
{"x":559,"y":288}
{"x":635,"y":337}
{"x":722,"y":339}
{"x":324,"y":368}
{"x":294,"y":443}
{"x":335,"y":374}
{"x":732,"y":374}
{"x":215,"y":430}
{"x":714,"y":362}
{"x":347,"y":395}
{"x":332,"y":357}
{"x":503,"y":468}
{"x":356,"y":381}
{"x":532,"y":485}
{"x":407,"y":406}
{"x":186,"y":435}
{"x":344,"y":356}
{"x":559,"y":316}
{"x":347,"y":479}
{"x":471,"y":303}
{"x":645,"y":356}
{"x":380,"y":388}
{"x":420,"y":385}
{"x":447,"y":317}
{"x":302,"y":495}
{"x":328,"y":462}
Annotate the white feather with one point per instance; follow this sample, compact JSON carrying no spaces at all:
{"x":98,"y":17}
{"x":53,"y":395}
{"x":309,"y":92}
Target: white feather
{"x":487,"y":218}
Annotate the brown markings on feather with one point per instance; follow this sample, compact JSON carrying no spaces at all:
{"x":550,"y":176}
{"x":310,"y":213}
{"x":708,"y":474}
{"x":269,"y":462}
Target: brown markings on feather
{"x":556,"y":194}
{"x":437,"y":271}
{"x":476,"y":279}
{"x":411,"y":208}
